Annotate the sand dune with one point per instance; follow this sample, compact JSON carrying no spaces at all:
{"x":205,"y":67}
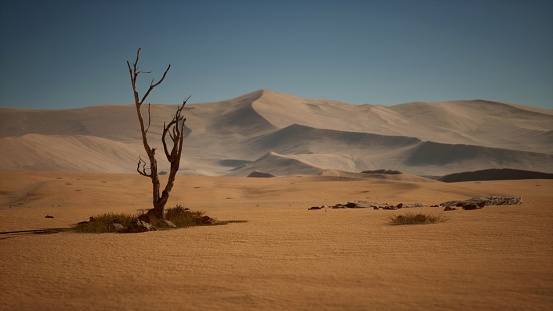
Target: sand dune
{"x":435,"y":158}
{"x":477,"y":122}
{"x":278,"y":165}
{"x":67,"y":153}
{"x":418,"y":138}
{"x":284,"y":257}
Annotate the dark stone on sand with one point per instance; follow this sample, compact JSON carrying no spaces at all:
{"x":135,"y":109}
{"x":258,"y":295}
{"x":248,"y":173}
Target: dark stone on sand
{"x":469,"y":207}
{"x":205,"y":220}
{"x":480,"y":202}
{"x":138,"y":225}
{"x":115,"y":226}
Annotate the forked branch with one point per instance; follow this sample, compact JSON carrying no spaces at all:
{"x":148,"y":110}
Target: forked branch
{"x":134,"y":72}
{"x":142,"y":170}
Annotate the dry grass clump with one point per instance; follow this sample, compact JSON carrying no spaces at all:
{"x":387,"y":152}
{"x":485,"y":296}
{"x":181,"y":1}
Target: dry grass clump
{"x":180,"y":216}
{"x":415,"y":219}
{"x":105,"y":223}
{"x":183,"y":217}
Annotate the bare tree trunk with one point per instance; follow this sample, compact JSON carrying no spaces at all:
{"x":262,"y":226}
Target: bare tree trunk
{"x":175,"y":129}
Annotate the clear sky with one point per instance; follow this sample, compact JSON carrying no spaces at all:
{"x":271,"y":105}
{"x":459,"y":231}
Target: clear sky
{"x":66,"y":54}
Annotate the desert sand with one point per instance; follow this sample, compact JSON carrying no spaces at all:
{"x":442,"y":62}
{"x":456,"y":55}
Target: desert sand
{"x":283,"y":257}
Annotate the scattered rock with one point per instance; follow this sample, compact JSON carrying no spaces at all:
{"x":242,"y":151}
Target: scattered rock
{"x":48,"y":216}
{"x":115,"y":226}
{"x":205,"y":220}
{"x":469,"y":207}
{"x":140,"y":226}
{"x":480,"y":202}
{"x":168,"y":223}
{"x":374,"y":205}
{"x":470,"y":204}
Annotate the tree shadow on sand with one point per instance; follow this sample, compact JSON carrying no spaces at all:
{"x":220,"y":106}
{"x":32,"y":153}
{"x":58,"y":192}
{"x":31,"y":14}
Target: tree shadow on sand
{"x":10,"y":234}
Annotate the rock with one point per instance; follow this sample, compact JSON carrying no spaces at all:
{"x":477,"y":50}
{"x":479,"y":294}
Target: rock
{"x":140,"y":226}
{"x":351,"y":205}
{"x":48,"y":216}
{"x":313,"y":208}
{"x":480,"y":202}
{"x":469,"y":207}
{"x":400,"y":205}
{"x":497,"y":200}
{"x":92,"y":218}
{"x":376,"y":208}
{"x":449,"y":208}
{"x":205,"y":220}
{"x":168,"y":223}
{"x":82,"y":223}
{"x":115,"y":226}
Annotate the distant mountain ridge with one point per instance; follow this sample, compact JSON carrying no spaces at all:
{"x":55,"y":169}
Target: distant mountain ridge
{"x":282,"y":134}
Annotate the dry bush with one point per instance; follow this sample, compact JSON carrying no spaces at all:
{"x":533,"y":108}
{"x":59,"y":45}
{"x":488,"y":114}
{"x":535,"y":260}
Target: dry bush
{"x":414,"y":219}
{"x":183,"y":217}
{"x":180,"y":216}
{"x":103,"y":223}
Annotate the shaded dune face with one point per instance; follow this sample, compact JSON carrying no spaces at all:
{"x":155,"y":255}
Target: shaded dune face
{"x":282,"y":135}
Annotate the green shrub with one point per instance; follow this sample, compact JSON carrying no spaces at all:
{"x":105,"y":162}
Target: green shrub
{"x":414,"y":219}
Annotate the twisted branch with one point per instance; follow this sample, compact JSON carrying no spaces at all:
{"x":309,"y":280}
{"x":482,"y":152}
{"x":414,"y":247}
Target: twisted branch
{"x":142,"y":171}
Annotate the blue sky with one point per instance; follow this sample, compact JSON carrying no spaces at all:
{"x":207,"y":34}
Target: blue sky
{"x":67,"y":54}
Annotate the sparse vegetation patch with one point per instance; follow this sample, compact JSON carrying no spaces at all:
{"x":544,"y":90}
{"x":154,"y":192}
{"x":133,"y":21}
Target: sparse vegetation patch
{"x":175,"y":217}
{"x":415,"y":219}
{"x":106,"y":223}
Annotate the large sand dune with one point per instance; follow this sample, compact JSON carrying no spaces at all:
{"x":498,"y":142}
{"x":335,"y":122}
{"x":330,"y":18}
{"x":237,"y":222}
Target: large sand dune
{"x":284,"y":257}
{"x":223,"y":137}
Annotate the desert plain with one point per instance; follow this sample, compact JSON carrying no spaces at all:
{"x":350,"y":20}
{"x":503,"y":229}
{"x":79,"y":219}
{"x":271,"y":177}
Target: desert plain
{"x":283,"y":256}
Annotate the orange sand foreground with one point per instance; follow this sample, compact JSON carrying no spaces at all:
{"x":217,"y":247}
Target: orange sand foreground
{"x":284,"y":257}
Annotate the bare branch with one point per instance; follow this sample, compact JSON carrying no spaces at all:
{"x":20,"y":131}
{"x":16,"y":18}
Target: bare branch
{"x":149,"y":119}
{"x":152,"y":86}
{"x":142,"y":171}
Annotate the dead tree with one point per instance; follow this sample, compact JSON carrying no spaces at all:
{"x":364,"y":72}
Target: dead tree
{"x":175,"y":129}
